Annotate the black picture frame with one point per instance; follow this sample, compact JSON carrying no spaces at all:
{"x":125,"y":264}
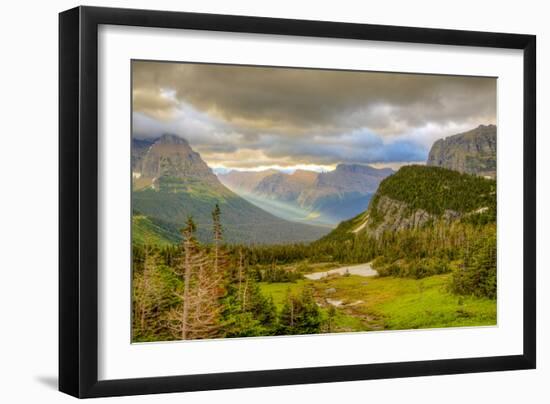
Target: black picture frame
{"x":78,"y":201}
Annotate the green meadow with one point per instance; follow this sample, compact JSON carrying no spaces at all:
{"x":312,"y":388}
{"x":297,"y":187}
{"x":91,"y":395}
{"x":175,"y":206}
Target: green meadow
{"x":389,"y":303}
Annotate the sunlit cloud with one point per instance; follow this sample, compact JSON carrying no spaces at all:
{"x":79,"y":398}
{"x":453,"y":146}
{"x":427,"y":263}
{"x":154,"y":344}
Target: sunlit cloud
{"x":254,"y":117}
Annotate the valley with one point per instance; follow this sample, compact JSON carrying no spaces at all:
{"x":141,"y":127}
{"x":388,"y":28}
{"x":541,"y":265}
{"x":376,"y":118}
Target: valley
{"x":324,"y":198}
{"x":172,"y":182}
{"x":270,"y":252}
{"x":287,"y":211}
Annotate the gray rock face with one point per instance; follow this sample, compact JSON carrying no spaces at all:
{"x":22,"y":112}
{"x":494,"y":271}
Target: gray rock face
{"x":286,"y":187}
{"x":346,"y":178}
{"x":172,"y":156}
{"x":472,"y":152}
{"x":354,"y":177}
{"x":397,"y":216}
{"x":139,"y":149}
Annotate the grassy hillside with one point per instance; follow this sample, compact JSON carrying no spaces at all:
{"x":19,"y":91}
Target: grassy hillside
{"x":344,"y":230}
{"x":146,"y":230}
{"x":340,"y":207}
{"x":242,"y":221}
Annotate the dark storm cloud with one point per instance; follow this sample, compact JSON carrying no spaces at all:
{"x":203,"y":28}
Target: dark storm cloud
{"x":312,"y":114}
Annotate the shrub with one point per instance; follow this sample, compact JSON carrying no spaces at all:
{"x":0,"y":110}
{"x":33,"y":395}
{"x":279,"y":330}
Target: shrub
{"x":414,"y":268}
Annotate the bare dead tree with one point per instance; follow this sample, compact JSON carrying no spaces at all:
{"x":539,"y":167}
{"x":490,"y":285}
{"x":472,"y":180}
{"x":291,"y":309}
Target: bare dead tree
{"x":204,"y":307}
{"x":198,"y":315}
{"x":188,"y":247}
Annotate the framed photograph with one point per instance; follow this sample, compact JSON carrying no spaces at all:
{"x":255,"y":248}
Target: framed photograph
{"x":251,"y":201}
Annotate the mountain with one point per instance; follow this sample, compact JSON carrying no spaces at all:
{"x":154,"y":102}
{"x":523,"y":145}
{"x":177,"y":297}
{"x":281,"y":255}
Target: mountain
{"x":285,"y":187}
{"x":171,"y":163}
{"x":416,"y":196}
{"x":346,"y":182}
{"x":174,"y":183}
{"x":244,"y":181}
{"x":347,"y":178}
{"x":343,"y":192}
{"x":307,"y":196}
{"x":139,"y":148}
{"x":472,"y":152}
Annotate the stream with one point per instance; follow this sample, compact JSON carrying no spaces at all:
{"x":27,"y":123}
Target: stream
{"x":361,"y":270}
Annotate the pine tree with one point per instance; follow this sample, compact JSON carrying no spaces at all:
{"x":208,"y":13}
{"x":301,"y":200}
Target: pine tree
{"x":218,"y":238}
{"x":300,"y":315}
{"x":331,"y":315}
{"x":152,"y":297}
{"x":199,"y":314}
{"x":240,"y":274}
{"x":145,"y":294}
{"x":190,"y":258}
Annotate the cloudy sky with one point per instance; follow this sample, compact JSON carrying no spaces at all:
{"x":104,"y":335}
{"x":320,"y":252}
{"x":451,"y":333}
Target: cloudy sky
{"x":252,"y":117}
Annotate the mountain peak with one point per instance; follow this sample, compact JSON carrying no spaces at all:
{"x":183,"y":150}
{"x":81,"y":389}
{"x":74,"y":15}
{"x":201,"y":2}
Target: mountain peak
{"x":304,"y":175}
{"x":244,"y":180}
{"x":361,"y":169}
{"x":286,"y":187}
{"x":172,"y":156}
{"x":472,"y":152}
{"x":169,"y":138}
{"x":353,"y":177}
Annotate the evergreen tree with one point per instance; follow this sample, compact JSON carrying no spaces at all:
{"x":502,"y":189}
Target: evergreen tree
{"x":218,"y":238}
{"x":331,"y":315}
{"x":152,"y":297}
{"x":300,"y":315}
{"x":478,"y":275}
{"x":247,"y":311}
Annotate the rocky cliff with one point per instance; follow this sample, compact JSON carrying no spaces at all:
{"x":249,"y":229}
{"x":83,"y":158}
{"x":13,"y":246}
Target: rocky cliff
{"x":172,"y":156}
{"x":472,"y":152}
{"x":419,"y":195}
{"x":396,"y":215}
